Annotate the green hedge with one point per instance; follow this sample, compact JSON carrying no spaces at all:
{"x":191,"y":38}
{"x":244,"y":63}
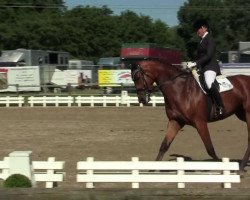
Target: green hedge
{"x":17,"y":180}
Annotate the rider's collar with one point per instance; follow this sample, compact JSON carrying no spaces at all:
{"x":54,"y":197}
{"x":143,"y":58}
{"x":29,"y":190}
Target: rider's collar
{"x":204,"y":35}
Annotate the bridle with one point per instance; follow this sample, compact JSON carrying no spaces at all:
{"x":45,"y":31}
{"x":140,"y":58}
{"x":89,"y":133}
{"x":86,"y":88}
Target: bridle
{"x":147,"y":91}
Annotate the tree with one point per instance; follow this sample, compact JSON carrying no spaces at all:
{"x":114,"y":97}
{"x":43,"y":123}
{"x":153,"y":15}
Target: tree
{"x":228,"y":20}
{"x":85,"y":32}
{"x":21,"y":21}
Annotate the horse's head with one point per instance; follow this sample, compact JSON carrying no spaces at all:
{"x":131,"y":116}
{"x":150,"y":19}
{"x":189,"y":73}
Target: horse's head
{"x":144,"y":77}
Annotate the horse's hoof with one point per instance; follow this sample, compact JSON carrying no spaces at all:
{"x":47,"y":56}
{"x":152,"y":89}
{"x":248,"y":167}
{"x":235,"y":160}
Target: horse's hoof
{"x":242,"y":172}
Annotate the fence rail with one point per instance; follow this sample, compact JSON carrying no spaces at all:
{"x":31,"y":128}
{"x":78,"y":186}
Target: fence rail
{"x":136,"y":172}
{"x":79,"y":101}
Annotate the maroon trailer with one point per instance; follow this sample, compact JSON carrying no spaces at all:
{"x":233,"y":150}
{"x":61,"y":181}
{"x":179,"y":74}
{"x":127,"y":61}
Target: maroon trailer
{"x":131,"y":51}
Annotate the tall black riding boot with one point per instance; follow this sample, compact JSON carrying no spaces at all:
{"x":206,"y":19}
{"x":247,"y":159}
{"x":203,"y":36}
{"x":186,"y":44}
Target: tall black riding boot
{"x":214,"y":92}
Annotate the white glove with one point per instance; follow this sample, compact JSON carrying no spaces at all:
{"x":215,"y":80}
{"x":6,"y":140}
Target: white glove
{"x":191,"y":65}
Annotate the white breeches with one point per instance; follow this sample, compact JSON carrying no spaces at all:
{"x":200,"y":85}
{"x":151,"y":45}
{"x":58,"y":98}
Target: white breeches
{"x":209,"y":78}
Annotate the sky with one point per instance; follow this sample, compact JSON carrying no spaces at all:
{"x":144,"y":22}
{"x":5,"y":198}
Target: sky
{"x":165,"y":10}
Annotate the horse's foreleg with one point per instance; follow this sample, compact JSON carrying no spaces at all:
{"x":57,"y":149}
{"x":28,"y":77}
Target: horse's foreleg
{"x":205,"y":136}
{"x":247,"y":153}
{"x":172,"y":130}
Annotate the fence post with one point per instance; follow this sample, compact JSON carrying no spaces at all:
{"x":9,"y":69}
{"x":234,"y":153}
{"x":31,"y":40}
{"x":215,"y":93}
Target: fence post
{"x":20,"y":163}
{"x":135,"y":172}
{"x":8,"y":101}
{"x":90,"y":172}
{"x":117,"y":101}
{"x":128,"y":100}
{"x":44,"y":101}
{"x":104,"y":101}
{"x":20,"y":99}
{"x":50,"y":172}
{"x":57,"y":101}
{"x":77,"y":99}
{"x":69,"y":100}
{"x":124,"y":95}
{"x":92,"y":104}
{"x":153,"y":99}
{"x":226,"y":172}
{"x":180,"y":161}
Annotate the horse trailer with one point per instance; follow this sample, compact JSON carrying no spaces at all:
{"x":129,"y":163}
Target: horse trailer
{"x":47,"y":62}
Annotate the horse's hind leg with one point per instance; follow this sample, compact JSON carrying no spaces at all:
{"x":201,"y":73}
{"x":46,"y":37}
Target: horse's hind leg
{"x":245,"y":158}
{"x":172,"y":130}
{"x":205,"y":136}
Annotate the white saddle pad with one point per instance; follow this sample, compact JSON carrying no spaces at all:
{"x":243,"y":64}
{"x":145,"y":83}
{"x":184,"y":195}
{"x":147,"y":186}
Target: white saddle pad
{"x":223,"y":81}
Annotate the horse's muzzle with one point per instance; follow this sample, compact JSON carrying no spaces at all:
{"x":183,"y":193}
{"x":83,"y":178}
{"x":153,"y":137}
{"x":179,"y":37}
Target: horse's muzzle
{"x":143,"y":97}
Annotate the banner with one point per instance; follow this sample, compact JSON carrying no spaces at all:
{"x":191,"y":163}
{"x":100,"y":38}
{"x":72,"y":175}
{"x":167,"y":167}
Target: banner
{"x":111,"y":78}
{"x":62,"y":78}
{"x":13,"y":79}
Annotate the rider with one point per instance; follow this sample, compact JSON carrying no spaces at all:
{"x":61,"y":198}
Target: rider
{"x":207,"y":63}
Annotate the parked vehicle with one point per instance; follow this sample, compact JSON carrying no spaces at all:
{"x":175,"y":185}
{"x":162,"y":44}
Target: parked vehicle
{"x":23,"y":69}
{"x":138,"y":51}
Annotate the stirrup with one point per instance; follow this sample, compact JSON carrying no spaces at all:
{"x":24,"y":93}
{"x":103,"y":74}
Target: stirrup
{"x":219,"y":112}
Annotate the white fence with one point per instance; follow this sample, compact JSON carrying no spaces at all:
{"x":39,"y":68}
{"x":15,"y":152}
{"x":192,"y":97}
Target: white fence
{"x":55,"y":100}
{"x":93,"y":100}
{"x":78,"y":101}
{"x":8,"y":101}
{"x":19,"y":162}
{"x":136,"y":172}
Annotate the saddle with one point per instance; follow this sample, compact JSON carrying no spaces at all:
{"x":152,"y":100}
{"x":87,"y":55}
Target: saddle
{"x":221,"y":81}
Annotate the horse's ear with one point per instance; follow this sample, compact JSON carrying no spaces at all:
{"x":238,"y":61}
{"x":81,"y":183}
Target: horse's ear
{"x":131,"y":63}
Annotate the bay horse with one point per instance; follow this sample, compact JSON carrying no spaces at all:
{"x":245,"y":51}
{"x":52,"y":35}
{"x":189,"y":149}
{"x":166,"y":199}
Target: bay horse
{"x":186,"y":103}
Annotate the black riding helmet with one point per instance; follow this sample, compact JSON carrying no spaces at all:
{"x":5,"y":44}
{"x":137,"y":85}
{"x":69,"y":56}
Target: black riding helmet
{"x":199,"y":23}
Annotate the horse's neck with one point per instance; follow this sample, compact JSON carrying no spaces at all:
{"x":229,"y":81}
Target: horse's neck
{"x":168,"y":76}
{"x":173,"y":82}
